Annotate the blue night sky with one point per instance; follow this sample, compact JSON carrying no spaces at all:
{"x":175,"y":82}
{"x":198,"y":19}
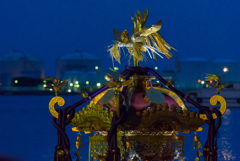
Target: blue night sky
{"x":196,"y":28}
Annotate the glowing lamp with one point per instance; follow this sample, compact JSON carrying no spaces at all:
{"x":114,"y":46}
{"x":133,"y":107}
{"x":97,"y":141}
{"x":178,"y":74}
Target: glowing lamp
{"x":225,"y":69}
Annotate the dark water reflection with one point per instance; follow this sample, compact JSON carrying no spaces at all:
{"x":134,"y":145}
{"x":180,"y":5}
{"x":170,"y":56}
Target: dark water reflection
{"x":27,"y":132}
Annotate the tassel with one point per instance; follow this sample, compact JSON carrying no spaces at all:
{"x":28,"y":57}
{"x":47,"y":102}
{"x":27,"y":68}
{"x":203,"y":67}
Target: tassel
{"x":199,"y":153}
{"x":197,"y":145}
{"x":196,"y":141}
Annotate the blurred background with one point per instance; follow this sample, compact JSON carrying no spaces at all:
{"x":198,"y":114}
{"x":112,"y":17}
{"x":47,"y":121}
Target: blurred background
{"x":69,"y":40}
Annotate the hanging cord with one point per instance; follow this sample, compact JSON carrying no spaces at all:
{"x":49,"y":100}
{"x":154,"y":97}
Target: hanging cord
{"x":217,"y":135}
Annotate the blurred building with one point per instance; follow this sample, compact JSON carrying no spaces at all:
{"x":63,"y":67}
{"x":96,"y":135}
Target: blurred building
{"x":81,"y":69}
{"x":16,"y":65}
{"x":191,"y":72}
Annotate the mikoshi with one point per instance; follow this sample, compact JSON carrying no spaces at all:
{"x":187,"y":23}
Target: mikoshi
{"x":133,"y":118}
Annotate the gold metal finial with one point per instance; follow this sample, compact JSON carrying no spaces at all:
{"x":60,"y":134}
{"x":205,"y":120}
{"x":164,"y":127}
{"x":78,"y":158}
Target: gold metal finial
{"x":117,"y":84}
{"x":218,"y":85}
{"x":213,"y":101}
{"x":216,"y":98}
{"x":56,"y":84}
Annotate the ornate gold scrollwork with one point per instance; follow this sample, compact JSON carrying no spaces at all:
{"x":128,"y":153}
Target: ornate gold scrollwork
{"x":52,"y":103}
{"x":213,"y":101}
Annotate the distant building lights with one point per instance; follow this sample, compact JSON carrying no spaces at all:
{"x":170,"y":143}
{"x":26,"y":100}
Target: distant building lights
{"x":210,"y":81}
{"x":207,"y":85}
{"x":157,"y":81}
{"x":69,"y":90}
{"x":225,"y":69}
{"x":44,"y":85}
{"x":76,"y":85}
{"x":96,"y":67}
{"x":44,"y":81}
{"x":71,"y":84}
{"x":76,"y":82}
{"x":116,"y":68}
{"x":61,"y":81}
{"x":87,"y":82}
{"x":202,"y":82}
{"x":156,"y":68}
{"x":16,"y":81}
{"x":98,"y":84}
{"x":50,"y":89}
{"x":199,"y":81}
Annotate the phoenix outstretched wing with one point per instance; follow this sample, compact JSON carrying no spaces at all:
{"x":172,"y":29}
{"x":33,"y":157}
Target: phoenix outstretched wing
{"x":117,"y":35}
{"x":50,"y":78}
{"x":211,"y":77}
{"x":62,"y":84}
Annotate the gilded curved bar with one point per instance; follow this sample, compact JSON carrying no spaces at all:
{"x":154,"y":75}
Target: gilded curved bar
{"x":173,"y":95}
{"x":53,"y":101}
{"x":213,"y":101}
{"x":163,"y":90}
{"x":99,"y":96}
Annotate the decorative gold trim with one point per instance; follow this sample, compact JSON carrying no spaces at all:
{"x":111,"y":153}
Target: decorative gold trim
{"x":213,"y":101}
{"x":199,"y":129}
{"x":93,"y":118}
{"x":53,"y":101}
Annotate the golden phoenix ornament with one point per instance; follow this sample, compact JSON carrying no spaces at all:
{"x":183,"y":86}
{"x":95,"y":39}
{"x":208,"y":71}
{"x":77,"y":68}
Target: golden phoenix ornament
{"x":143,"y":39}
